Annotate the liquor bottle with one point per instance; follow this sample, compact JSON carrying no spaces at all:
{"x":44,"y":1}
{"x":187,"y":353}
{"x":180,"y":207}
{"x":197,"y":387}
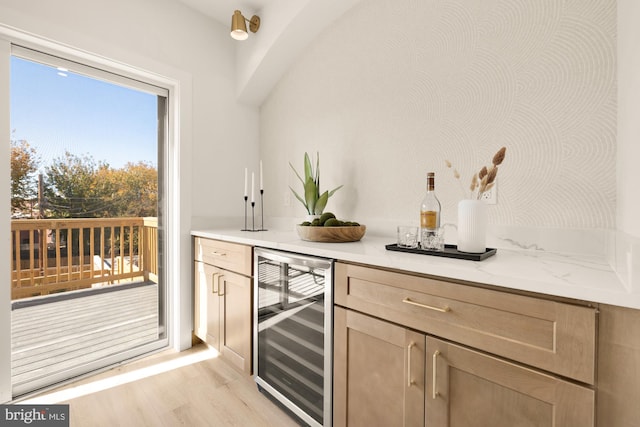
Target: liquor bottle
{"x":429,"y":212}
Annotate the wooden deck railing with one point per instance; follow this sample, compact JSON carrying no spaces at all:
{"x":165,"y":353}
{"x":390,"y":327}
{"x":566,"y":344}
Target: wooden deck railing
{"x":59,"y":255}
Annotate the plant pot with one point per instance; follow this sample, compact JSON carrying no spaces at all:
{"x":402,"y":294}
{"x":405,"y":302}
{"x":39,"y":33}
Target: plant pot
{"x":472,"y":226}
{"x":351,"y":233}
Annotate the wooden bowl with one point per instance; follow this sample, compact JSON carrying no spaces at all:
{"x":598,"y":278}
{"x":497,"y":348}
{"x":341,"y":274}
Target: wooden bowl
{"x":351,"y":233}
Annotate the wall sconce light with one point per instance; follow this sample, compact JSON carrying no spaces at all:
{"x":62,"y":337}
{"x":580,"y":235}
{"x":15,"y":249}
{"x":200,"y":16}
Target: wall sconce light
{"x":239,"y":28}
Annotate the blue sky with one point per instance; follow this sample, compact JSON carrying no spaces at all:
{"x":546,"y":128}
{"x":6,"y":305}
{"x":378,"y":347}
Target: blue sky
{"x":81,"y":115}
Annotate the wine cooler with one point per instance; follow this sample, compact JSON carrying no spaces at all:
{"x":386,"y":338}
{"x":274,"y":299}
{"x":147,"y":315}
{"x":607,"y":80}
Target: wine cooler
{"x":293,"y":332}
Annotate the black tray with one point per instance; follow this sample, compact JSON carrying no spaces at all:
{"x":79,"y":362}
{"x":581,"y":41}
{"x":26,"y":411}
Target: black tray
{"x":450,"y":251}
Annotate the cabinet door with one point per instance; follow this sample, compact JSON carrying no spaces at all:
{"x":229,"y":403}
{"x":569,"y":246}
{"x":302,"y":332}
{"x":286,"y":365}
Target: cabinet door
{"x":378,"y":372}
{"x":207,"y":304}
{"x":235,"y":319}
{"x":466,"y":388}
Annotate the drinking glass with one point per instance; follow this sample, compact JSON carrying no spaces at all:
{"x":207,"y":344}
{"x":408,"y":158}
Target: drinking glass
{"x":433,"y":240}
{"x":407,"y":236}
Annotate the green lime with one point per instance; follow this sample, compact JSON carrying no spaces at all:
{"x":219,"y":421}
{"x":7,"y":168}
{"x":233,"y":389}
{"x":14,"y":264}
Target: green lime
{"x":332,"y":222}
{"x":326,"y":216}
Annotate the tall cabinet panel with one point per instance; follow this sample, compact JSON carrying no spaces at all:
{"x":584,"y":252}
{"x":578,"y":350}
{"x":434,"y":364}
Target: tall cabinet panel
{"x":235,"y":319}
{"x":207,"y":304}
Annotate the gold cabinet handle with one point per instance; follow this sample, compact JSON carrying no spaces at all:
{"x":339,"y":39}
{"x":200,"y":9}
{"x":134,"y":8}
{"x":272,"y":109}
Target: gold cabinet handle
{"x":214,"y":253}
{"x":214,"y":279}
{"x":434,"y":391}
{"x":429,"y":307}
{"x":221,"y":287}
{"x":409,"y":380}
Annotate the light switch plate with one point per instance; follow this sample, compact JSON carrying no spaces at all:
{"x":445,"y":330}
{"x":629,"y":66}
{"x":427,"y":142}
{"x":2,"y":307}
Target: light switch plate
{"x":491,"y":197}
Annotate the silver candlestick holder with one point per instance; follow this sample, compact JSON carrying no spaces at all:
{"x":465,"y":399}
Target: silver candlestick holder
{"x":253,"y":215}
{"x":262,"y":210}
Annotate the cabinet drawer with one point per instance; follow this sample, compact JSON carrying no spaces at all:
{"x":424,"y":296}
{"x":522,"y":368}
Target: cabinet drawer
{"x":550,"y":335}
{"x":230,"y":256}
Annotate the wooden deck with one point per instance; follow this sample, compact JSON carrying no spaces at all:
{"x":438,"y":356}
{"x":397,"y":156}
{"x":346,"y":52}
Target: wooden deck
{"x":52,"y":334}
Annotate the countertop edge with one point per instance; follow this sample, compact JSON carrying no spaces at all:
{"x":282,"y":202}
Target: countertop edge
{"x":588,"y":279}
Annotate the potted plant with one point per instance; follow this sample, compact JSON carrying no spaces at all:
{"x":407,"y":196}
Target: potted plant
{"x":313,"y":201}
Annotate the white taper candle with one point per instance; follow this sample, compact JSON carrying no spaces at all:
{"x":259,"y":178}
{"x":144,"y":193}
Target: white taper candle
{"x":245,"y":182}
{"x":261,"y":184}
{"x":253,"y":187}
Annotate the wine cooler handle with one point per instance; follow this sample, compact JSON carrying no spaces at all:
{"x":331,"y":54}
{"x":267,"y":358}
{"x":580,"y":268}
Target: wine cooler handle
{"x":434,"y":391}
{"x":409,"y":380}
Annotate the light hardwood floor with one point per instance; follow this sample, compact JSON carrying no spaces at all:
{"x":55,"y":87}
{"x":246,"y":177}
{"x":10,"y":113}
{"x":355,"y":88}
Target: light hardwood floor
{"x":190,"y":388}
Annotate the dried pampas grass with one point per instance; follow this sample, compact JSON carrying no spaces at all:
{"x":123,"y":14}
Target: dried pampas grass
{"x":485,"y":179}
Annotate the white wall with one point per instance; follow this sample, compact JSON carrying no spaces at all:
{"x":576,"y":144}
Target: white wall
{"x":393,"y":88}
{"x":625,"y":252}
{"x":217,"y":136}
{"x":628,"y":117}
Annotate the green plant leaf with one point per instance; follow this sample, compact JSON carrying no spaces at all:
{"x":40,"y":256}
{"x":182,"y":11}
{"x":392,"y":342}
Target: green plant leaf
{"x":297,"y":174}
{"x":310,"y":195}
{"x":334,"y":190}
{"x":313,"y":201}
{"x":308,"y":170}
{"x":301,"y":199}
{"x":317,"y":177}
{"x":321,"y":203}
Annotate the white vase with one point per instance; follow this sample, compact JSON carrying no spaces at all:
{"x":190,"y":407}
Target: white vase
{"x":472,"y":226}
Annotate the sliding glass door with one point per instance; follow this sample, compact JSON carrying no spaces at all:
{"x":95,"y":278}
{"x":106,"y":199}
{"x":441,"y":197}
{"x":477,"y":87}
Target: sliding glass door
{"x":87,"y":216}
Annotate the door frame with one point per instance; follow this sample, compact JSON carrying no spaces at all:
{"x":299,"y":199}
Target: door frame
{"x":175,"y":208}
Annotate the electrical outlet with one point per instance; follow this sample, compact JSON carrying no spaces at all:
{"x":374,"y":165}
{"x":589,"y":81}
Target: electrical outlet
{"x":287,"y":198}
{"x":491,"y":197}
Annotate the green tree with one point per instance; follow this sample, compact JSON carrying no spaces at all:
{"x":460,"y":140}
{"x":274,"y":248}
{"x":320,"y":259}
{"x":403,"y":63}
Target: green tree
{"x":136,"y":189}
{"x":78,"y":187}
{"x":73,"y":188}
{"x":24,"y":165}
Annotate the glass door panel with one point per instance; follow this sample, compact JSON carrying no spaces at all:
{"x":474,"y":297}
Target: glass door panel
{"x":87,"y":287}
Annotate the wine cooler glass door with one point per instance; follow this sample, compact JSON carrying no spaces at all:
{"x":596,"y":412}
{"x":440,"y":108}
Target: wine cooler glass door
{"x":293,"y":332}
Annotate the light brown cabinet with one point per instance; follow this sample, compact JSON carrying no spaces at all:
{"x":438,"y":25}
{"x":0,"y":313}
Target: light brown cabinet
{"x":468,"y":388}
{"x":207,"y":304}
{"x":378,"y":372}
{"x":550,"y":335}
{"x":486,"y":357}
{"x":223,"y":299}
{"x":389,"y":375}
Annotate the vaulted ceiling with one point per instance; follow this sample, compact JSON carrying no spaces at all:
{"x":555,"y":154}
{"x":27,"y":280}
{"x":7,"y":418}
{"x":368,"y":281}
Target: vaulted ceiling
{"x":221,"y":11}
{"x":287,"y":28}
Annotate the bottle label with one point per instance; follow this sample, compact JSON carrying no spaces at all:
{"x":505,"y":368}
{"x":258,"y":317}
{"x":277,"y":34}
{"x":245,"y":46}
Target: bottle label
{"x":429,"y":219}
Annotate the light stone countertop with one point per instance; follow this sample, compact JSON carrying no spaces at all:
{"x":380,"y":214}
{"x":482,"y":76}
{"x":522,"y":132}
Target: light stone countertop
{"x":587,"y":278}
